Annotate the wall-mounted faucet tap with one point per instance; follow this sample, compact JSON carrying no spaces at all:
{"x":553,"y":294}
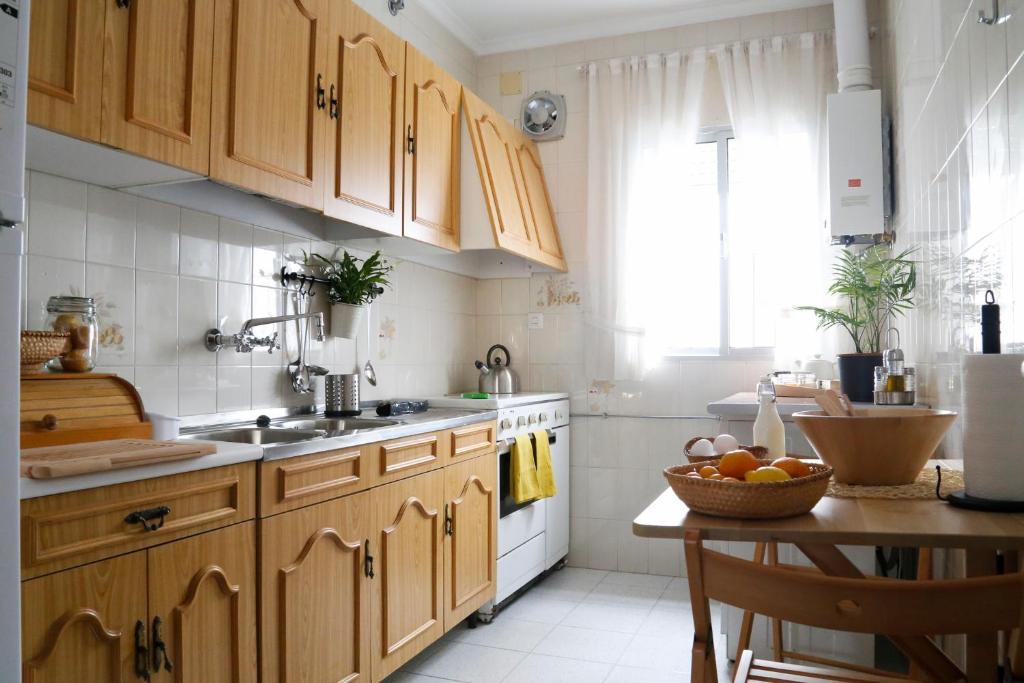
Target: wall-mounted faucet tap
{"x":245,"y":341}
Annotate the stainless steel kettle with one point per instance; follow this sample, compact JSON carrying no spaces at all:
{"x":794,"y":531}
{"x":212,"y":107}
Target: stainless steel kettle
{"x":496,"y":377}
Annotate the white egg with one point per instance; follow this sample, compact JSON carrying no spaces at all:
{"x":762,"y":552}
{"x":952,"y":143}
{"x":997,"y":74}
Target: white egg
{"x":702,"y":447}
{"x":725,"y":443}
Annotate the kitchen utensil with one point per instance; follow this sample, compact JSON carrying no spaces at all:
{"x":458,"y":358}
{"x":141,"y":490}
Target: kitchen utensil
{"x":100,"y":456}
{"x":63,"y":408}
{"x":370,"y":374}
{"x":876,"y":446}
{"x":341,"y":394}
{"x":830,"y":403}
{"x":748,"y":501}
{"x":39,"y":346}
{"x":496,"y":377}
{"x":404,"y":406}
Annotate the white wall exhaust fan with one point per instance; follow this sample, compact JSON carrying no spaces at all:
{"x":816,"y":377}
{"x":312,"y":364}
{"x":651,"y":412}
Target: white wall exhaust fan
{"x":543,"y":116}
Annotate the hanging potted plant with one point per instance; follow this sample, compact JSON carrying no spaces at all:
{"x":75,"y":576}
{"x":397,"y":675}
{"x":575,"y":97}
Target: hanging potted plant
{"x":876,"y":287}
{"x":354,"y":283}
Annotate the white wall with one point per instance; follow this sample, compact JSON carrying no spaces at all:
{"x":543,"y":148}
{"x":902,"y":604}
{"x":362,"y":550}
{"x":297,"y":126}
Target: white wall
{"x":955,"y":89}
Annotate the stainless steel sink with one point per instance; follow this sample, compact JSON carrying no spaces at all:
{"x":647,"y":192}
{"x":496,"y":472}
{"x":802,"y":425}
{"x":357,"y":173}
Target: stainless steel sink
{"x":335,"y":426}
{"x":257,"y":435}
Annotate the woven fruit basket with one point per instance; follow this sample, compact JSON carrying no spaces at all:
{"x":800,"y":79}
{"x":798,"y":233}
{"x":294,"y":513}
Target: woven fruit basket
{"x":39,"y":346}
{"x":739,"y":500}
{"x":756,"y":451}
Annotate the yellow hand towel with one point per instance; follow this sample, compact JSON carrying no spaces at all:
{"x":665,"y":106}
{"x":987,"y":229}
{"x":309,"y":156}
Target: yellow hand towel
{"x":524,"y":471}
{"x":545,"y":474}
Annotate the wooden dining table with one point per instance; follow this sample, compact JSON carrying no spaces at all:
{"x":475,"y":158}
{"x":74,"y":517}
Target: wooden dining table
{"x":861,"y":521}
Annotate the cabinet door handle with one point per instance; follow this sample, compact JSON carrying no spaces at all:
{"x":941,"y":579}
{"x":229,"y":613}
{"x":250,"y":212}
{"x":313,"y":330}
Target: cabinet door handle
{"x":124,"y":4}
{"x":367,"y":560}
{"x":145,"y":517}
{"x":320,"y":103}
{"x":334,"y":103}
{"x":410,"y":141}
{"x":160,"y":648}
{"x":449,"y":523}
{"x":141,"y":652}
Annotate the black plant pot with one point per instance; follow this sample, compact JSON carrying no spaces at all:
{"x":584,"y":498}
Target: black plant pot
{"x":857,"y":375}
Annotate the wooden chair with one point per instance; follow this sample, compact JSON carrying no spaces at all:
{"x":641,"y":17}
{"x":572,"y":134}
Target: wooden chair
{"x":906,"y":611}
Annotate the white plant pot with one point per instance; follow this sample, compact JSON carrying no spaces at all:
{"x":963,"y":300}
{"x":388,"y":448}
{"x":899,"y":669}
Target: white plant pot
{"x":346,"y":320}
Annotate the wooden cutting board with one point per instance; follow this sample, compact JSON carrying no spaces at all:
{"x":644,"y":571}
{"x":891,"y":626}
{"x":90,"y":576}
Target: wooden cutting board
{"x":100,"y":456}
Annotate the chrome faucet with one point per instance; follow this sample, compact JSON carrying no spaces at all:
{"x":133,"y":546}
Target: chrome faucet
{"x":245,"y":341}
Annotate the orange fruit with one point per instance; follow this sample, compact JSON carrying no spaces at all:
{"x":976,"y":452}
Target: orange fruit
{"x":737,"y":463}
{"x":707,"y":471}
{"x":792,"y":466}
{"x":766,"y":474}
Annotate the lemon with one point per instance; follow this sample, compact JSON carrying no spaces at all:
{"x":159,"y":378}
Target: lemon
{"x":765,"y":474}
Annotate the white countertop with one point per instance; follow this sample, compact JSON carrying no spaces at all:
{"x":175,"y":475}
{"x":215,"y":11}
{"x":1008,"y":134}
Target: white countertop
{"x":744,"y":405}
{"x":227,"y":454}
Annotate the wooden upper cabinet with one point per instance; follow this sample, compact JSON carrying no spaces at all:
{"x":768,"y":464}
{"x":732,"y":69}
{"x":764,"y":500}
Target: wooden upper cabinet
{"x":65,"y":66}
{"x":156,"y":80}
{"x":407,"y":544}
{"x":432,"y":104}
{"x":269,"y":97}
{"x":537,"y":203}
{"x":494,"y":148}
{"x":79,"y":625}
{"x":315,"y":591}
{"x":202,"y":607}
{"x":365,"y":136}
{"x":470,"y":564}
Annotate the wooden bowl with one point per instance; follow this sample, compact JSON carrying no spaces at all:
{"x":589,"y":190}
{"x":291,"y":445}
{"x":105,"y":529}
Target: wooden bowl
{"x":876,"y":446}
{"x":39,"y":346}
{"x":756,"y":451}
{"x":739,"y":500}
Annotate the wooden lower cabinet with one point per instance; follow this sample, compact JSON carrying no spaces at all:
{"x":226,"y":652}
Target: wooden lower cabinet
{"x":79,"y":624}
{"x":315,"y":616}
{"x":407,"y":545}
{"x":470,"y":543}
{"x":202,"y":607}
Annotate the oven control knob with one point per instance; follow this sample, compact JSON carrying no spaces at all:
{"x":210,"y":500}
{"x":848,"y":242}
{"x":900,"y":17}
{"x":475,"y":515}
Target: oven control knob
{"x":521,"y":421}
{"x":533,"y":419}
{"x":558,"y":415}
{"x":506,"y":423}
{"x":543,"y":417}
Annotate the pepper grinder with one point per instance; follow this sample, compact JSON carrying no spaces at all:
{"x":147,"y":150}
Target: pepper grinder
{"x":990,"y":342}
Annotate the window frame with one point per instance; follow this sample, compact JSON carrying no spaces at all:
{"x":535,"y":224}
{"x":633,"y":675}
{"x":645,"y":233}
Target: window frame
{"x":720,"y":136}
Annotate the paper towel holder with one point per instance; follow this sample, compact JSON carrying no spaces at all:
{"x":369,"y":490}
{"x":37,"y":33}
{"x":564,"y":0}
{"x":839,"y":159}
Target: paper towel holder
{"x":960,"y":499}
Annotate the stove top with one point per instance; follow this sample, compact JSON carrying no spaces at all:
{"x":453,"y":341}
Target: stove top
{"x":497,"y":401}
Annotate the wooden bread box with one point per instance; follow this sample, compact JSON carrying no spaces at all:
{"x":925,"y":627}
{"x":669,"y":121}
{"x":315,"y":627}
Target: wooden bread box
{"x":64,"y":408}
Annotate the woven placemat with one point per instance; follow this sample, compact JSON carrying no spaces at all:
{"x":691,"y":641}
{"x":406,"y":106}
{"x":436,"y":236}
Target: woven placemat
{"x":922,"y":488}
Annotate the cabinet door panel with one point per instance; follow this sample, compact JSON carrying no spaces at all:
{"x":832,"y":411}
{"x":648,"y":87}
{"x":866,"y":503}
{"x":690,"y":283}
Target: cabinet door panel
{"x":407,"y":588}
{"x":79,"y":624}
{"x":156,"y":85}
{"x":315,"y":595}
{"x":537,"y":202}
{"x":432,"y":104}
{"x":470,"y":560}
{"x":65,"y":66}
{"x":364,"y":178}
{"x":267,"y":126}
{"x":203,"y":590}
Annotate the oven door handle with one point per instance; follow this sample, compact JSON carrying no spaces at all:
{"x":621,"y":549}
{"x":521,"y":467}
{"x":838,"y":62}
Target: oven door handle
{"x":507,"y":443}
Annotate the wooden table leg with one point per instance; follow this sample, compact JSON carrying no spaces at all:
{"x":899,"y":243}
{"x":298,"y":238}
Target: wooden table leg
{"x":924,"y":573}
{"x":747,"y":625}
{"x":982,"y":650}
{"x":702,"y":667}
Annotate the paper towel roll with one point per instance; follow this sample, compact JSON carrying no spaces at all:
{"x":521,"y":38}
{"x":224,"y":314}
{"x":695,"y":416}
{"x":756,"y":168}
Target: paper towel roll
{"x":993,"y":410}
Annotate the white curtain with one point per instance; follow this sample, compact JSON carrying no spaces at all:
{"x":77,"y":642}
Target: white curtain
{"x":643,"y":119}
{"x":775,"y":90}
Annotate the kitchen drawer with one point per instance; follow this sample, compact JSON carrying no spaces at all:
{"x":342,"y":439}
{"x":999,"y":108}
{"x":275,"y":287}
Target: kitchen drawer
{"x":471,"y":441}
{"x":70,"y":529}
{"x":296,"y":482}
{"x":401,"y":458}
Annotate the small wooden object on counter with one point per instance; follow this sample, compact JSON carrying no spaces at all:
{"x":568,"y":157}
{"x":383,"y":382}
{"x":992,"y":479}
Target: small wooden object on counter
{"x":64,"y":408}
{"x":100,"y":456}
{"x":833,"y":405}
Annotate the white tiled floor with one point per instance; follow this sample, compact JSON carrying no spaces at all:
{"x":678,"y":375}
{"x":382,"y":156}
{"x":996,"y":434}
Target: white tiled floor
{"x":577,"y":626}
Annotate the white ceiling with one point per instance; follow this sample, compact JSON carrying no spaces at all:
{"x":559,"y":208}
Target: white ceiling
{"x":489,"y":26}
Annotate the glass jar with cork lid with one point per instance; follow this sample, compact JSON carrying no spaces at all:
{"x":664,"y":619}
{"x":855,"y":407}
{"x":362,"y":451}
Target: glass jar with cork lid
{"x":77,"y":315}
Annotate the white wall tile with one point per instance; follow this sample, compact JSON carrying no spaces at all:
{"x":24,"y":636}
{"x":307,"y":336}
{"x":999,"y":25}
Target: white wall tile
{"x":199,"y":244}
{"x":48,"y":277}
{"x":113,"y":288}
{"x":57,"y":210}
{"x":267,"y":257}
{"x":110,"y":227}
{"x":197,"y":389}
{"x":235,"y":255}
{"x":157,"y":236}
{"x":234,"y":388}
{"x":515,"y":296}
{"x":197,"y":312}
{"x":158,"y":387}
{"x":156,"y":319}
{"x":234,"y":307}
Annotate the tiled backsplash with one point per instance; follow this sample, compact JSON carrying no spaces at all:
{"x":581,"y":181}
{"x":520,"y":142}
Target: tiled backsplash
{"x":162,"y":275}
{"x":955,"y":90}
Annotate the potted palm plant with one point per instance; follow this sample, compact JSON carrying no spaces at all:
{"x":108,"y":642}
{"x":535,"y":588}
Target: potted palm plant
{"x":354,"y":283}
{"x":875,"y":286}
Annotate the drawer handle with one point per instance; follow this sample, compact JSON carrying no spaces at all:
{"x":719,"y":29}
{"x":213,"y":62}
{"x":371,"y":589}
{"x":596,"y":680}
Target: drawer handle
{"x":141,"y":652}
{"x":367,"y":560}
{"x":145,"y":517}
{"x":49,"y":421}
{"x":449,"y":523}
{"x":160,"y":648}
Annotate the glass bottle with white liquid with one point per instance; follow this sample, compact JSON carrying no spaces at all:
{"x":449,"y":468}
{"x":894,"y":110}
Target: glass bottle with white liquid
{"x":768,"y":428}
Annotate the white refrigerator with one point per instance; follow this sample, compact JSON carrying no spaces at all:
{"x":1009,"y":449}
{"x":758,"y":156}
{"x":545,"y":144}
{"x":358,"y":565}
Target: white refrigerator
{"x":14,"y":16}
